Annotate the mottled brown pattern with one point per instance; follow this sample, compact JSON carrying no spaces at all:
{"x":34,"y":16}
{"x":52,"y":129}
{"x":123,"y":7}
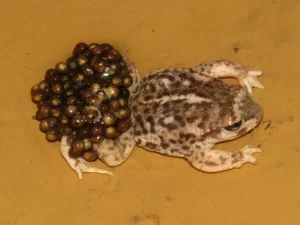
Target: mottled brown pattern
{"x":144,"y":131}
{"x":177,"y":102}
{"x":139,"y":121}
{"x":186,"y":91}
{"x":191,"y":119}
{"x":193,"y":141}
{"x":165,"y":145}
{"x":192,"y":81}
{"x":237,"y":157}
{"x":185,"y":148}
{"x":210,"y":163}
{"x":166,"y":105}
{"x":147,"y":110}
{"x":155,"y":107}
{"x":171,"y":126}
{"x":183,"y":76}
{"x":161,"y":122}
{"x":150,"y":77}
{"x":168,"y":126}
{"x":138,"y":118}
{"x":151,"y":121}
{"x":202,"y":104}
{"x":148,"y":97}
{"x":222,"y":159}
{"x":152,"y":88}
{"x":163,"y":93}
{"x":173,"y":150}
{"x":172,"y":141}
{"x":137,"y":132}
{"x":168,"y":77}
{"x":187,"y":106}
{"x":177,"y":84}
{"x":166,"y":108}
{"x":200,"y":125}
{"x":150,"y":145}
{"x":188,"y":136}
{"x":180,"y":120}
{"x":162,"y":139}
{"x":138,"y":141}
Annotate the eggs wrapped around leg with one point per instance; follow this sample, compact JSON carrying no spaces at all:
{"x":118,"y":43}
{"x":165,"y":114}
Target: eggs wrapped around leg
{"x":78,"y":164}
{"x":247,"y":77}
{"x":113,"y":152}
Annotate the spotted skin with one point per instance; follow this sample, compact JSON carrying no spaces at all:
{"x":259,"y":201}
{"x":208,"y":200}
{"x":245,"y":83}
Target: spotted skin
{"x":184,"y":112}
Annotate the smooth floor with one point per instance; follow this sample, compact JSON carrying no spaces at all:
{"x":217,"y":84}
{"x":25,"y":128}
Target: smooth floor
{"x":38,"y":187}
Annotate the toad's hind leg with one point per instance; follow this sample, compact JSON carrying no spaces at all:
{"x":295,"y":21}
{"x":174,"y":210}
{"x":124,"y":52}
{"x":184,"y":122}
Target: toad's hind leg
{"x":78,"y":164}
{"x":217,"y":161}
{"x":247,"y":77}
{"x":115,"y":152}
{"x":112,"y":152}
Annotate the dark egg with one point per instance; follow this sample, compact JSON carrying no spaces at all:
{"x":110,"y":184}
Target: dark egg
{"x":90,"y":156}
{"x":84,"y":98}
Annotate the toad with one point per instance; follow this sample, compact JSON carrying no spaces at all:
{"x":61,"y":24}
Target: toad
{"x":184,"y":112}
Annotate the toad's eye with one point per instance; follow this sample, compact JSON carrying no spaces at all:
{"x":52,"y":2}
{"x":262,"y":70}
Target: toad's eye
{"x":231,"y":123}
{"x":234,"y":126}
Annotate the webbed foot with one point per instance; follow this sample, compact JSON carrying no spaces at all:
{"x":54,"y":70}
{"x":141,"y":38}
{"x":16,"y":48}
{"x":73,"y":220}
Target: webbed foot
{"x":217,"y":161}
{"x":79,"y":164}
{"x":247,"y":77}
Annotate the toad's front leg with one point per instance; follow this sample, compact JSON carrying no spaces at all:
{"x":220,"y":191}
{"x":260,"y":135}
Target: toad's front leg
{"x":216,"y":161}
{"x":224,"y":68}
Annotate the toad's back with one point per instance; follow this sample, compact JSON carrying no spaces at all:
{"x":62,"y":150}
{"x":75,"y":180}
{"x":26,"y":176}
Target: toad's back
{"x":181,"y":106}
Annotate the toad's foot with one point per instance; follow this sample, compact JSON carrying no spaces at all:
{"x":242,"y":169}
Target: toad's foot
{"x":79,"y":164}
{"x":249,"y":80}
{"x":247,"y":77}
{"x":217,"y":161}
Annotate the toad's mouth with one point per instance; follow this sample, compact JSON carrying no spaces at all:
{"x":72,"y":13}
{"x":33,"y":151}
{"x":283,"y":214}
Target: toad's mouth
{"x":248,"y":126}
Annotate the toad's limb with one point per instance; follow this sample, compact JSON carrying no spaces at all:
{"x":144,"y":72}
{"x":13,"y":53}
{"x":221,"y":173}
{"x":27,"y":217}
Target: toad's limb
{"x":115,"y":152}
{"x":217,"y":161}
{"x":111,"y":152}
{"x":247,"y":77}
{"x":79,"y":164}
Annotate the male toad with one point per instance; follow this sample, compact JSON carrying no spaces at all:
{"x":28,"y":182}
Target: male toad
{"x":184,"y":112}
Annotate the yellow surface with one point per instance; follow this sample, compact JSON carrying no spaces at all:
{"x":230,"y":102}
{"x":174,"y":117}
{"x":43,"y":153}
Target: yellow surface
{"x":38,"y":187}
